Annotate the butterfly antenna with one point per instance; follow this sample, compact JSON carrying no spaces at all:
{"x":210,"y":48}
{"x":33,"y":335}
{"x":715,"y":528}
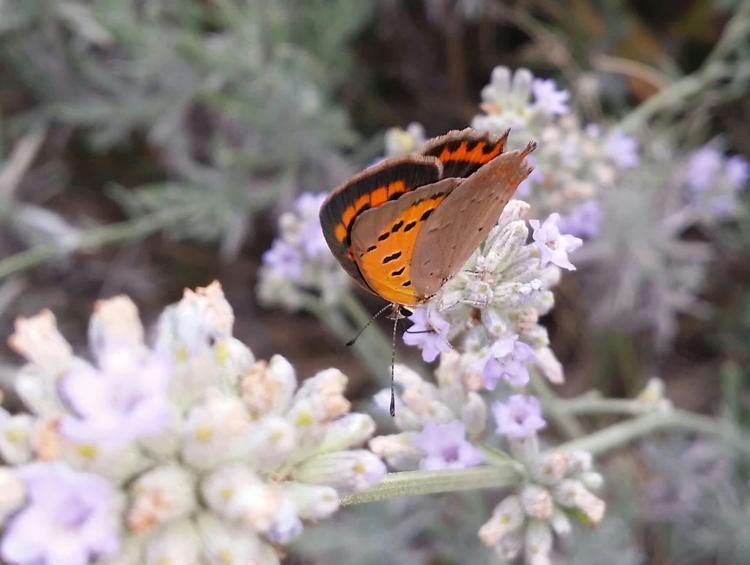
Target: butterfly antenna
{"x":393,"y":362}
{"x":367,"y":325}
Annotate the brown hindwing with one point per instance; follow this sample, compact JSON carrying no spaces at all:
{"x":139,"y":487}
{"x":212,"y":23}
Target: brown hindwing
{"x":463,"y":152}
{"x":463,"y":220}
{"x":373,"y":187}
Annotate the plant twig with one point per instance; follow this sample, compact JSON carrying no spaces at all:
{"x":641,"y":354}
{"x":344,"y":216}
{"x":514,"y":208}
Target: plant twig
{"x":413,"y":483}
{"x":95,"y":237}
{"x":569,"y":426}
{"x":623,"y":433}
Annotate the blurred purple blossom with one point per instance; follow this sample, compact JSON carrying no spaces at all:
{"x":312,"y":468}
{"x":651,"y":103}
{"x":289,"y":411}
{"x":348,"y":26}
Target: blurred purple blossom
{"x":703,"y":168}
{"x":313,"y":242}
{"x":126,"y":398}
{"x":738,"y":171}
{"x":551,"y":101}
{"x":552,"y":245}
{"x":429,"y":332}
{"x":584,"y":220}
{"x":519,"y":417}
{"x":507,"y":359}
{"x":445,"y":447}
{"x":622,"y":149}
{"x":66,"y":519}
{"x":284,"y":259}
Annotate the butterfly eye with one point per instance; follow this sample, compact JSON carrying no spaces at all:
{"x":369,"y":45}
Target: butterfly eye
{"x":405,"y":312}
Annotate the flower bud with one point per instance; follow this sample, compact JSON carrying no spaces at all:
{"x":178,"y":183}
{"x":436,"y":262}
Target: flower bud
{"x":474,"y":415}
{"x":551,"y":468}
{"x":538,"y":543}
{"x":38,"y":390}
{"x":537,"y":502}
{"x":213,"y":431}
{"x":549,"y":365}
{"x":572,"y":494}
{"x":38,"y":340}
{"x":580,"y":461}
{"x":592,"y":480}
{"x":311,"y":502}
{"x":560,"y":522}
{"x":232,"y":544}
{"x":346,"y":471}
{"x":176,"y":543}
{"x":320,"y":398}
{"x":398,"y":450}
{"x":267,"y":388}
{"x":507,"y":517}
{"x":15,"y":437}
{"x":349,"y":431}
{"x":115,"y":321}
{"x":269,"y":442}
{"x":235,"y":492}
{"x":286,"y":525}
{"x":161,"y":495}
{"x":653,"y":394}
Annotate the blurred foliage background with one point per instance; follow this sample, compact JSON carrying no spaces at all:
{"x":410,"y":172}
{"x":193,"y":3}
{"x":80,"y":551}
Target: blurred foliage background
{"x":150,"y":145}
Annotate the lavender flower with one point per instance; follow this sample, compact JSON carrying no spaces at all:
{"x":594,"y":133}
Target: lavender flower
{"x":552,"y":245}
{"x":429,"y":332}
{"x":284,"y":260}
{"x":507,"y":359}
{"x":584,"y":221}
{"x":122,"y":401}
{"x":68,"y":518}
{"x":737,"y":171}
{"x":551,"y":101}
{"x":299,"y":267}
{"x":445,"y":447}
{"x":703,"y":168}
{"x":622,"y":149}
{"x":519,"y":417}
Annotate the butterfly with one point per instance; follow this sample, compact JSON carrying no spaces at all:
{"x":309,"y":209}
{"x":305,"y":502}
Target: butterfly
{"x":403,"y":227}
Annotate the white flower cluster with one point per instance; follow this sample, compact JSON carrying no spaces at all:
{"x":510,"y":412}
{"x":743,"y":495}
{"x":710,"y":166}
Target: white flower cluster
{"x":188,"y":452}
{"x":573,"y":163}
{"x":559,"y":486}
{"x":299,"y":267}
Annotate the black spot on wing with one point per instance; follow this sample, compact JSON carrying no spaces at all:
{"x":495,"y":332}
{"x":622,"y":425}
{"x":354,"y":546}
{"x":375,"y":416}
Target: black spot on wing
{"x":390,"y":258}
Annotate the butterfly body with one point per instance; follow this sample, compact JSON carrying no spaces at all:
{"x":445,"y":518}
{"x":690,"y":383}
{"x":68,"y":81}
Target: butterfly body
{"x":403,"y":227}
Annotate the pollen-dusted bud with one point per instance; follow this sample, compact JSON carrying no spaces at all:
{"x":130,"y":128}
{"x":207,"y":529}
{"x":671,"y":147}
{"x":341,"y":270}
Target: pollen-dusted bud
{"x":267,"y":388}
{"x":507,"y":517}
{"x":159,"y":496}
{"x":38,"y":340}
{"x":398,"y":450}
{"x":537,"y":502}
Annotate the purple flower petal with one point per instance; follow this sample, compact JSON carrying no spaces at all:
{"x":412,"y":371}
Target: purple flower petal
{"x":519,"y":417}
{"x":445,"y":447}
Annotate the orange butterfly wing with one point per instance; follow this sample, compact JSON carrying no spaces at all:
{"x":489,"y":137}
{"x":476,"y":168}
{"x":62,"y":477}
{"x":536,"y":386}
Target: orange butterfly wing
{"x":383,"y":241}
{"x":368,"y":190}
{"x":464,"y":152}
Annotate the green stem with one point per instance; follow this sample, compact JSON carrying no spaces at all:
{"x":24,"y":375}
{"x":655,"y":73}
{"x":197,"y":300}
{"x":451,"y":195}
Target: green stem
{"x":623,"y":433}
{"x":594,"y":405}
{"x":566,"y":422}
{"x":95,"y":237}
{"x":414,"y":483}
